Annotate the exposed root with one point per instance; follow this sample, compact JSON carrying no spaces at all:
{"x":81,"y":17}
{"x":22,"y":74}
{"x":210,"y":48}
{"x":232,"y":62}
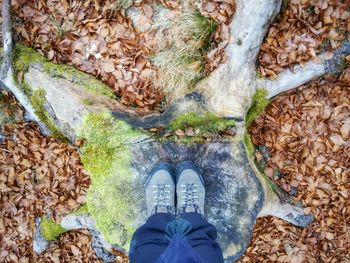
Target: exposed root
{"x":7,"y":37}
{"x":290,"y":79}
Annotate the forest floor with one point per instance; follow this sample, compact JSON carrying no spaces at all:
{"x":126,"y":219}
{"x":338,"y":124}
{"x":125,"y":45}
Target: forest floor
{"x":306,"y":131}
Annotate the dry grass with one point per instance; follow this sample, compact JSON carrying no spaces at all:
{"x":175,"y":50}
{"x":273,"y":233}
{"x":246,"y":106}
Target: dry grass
{"x":194,"y":30}
{"x":123,"y":4}
{"x":182,"y":65}
{"x":178,"y":69}
{"x":10,"y":111}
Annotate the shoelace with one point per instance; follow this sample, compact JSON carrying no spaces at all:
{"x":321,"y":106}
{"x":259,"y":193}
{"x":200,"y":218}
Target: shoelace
{"x":162,"y":198}
{"x":189,"y":197}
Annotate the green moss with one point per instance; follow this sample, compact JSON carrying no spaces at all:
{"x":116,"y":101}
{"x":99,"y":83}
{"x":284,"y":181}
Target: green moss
{"x":258,"y":106}
{"x":311,"y":10}
{"x":87,"y":102}
{"x":105,"y":148}
{"x":106,"y":155}
{"x":50,"y":230}
{"x":285,"y":4}
{"x":23,"y":57}
{"x":112,"y":205}
{"x":82,"y":210}
{"x":207,"y":122}
{"x":25,"y":88}
{"x":249,"y":145}
{"x":1,"y":55}
{"x":187,"y":140}
{"x":38,"y":102}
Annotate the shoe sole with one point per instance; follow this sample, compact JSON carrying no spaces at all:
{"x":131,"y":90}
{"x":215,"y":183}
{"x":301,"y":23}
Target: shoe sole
{"x":161,"y":166}
{"x":187,"y":165}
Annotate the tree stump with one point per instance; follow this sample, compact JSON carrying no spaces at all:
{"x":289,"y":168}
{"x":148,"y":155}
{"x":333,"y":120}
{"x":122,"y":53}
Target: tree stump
{"x":119,"y":151}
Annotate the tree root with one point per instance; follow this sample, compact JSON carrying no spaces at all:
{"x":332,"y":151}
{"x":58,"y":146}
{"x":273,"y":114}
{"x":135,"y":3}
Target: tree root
{"x":291,"y":79}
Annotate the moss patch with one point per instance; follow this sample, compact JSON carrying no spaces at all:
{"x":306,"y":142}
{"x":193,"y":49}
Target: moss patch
{"x":87,"y":102}
{"x":249,"y":145}
{"x":38,"y":101}
{"x":199,"y":128}
{"x":50,"y":229}
{"x":106,"y":155}
{"x":258,"y":106}
{"x":82,"y":210}
{"x":23,"y":57}
{"x":1,"y":55}
{"x":207,"y":122}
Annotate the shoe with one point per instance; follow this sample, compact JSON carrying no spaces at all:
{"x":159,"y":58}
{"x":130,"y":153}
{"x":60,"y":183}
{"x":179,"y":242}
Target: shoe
{"x":160,"y":190}
{"x":190,"y":188}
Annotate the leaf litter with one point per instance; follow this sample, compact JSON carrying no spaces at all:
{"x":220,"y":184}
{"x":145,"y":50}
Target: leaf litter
{"x":98,"y":38}
{"x":304,"y":29}
{"x":307,"y":134}
{"x":39,"y":176}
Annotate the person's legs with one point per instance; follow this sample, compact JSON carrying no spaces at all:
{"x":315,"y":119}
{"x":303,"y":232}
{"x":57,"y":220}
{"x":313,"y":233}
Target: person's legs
{"x":202,"y":238}
{"x":152,"y":239}
{"x":190,"y":204}
{"x":149,"y":241}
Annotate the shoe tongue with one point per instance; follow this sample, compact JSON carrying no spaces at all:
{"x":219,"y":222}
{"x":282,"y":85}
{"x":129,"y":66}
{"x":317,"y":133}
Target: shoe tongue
{"x":190,"y":209}
{"x":162,"y":209}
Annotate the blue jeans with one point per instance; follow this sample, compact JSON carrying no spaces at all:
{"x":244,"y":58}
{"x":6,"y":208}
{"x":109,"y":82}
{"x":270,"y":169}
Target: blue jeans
{"x":151,"y":240}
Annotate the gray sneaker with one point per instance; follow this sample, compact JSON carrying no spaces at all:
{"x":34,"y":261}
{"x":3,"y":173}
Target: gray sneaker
{"x":189,"y":189}
{"x":160,"y":190}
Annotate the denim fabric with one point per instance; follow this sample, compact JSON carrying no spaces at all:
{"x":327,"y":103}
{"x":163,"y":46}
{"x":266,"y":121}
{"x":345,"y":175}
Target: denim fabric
{"x":166,"y":239}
